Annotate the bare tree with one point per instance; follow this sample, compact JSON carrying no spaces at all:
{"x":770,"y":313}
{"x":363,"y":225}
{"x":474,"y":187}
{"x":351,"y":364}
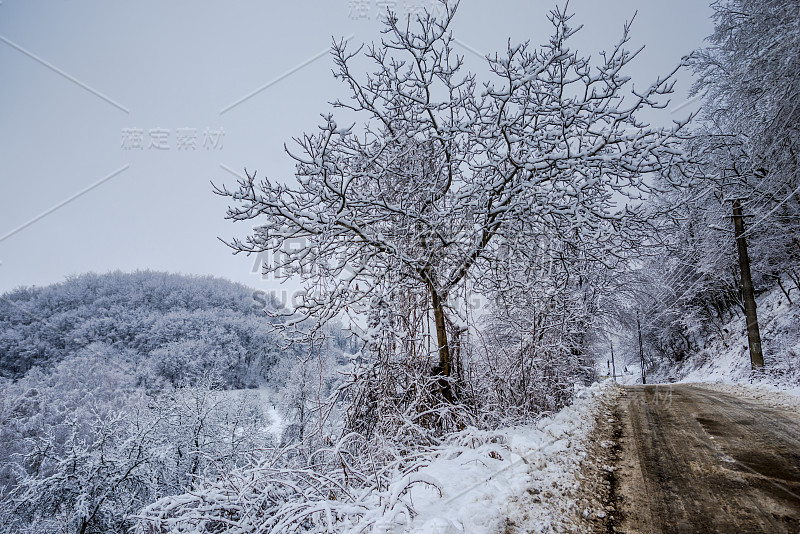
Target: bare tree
{"x":433,"y":192}
{"x":751,"y":86}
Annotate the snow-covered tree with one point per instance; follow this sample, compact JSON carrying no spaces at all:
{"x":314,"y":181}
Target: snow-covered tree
{"x":749,"y":141}
{"x":427,"y":198}
{"x":749,"y":76}
{"x":84,"y":448}
{"x":744,"y":147}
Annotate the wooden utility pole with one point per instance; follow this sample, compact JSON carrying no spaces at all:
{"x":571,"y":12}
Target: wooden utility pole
{"x":753,"y":334}
{"x":613,"y":366}
{"x":641,"y":348}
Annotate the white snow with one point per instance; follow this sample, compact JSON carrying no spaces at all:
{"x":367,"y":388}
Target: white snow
{"x":480,"y":482}
{"x":725,"y":360}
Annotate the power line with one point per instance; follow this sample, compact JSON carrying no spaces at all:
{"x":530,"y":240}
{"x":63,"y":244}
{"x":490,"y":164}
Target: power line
{"x":773,"y":210}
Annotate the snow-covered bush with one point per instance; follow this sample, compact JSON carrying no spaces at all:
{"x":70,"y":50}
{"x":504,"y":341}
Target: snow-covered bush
{"x":84,"y":447}
{"x":340,"y":488}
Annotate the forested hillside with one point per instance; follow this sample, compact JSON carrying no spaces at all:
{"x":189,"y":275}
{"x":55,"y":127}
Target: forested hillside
{"x":115,"y":394}
{"x":722,"y":354}
{"x":170,"y":326}
{"x":724,"y":248}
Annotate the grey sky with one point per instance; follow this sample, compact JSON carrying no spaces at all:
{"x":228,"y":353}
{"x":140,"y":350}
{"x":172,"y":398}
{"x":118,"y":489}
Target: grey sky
{"x":80,"y":80}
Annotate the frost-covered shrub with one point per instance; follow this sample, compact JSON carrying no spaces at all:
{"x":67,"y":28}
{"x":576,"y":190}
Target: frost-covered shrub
{"x":84,"y":447}
{"x":339,"y":488}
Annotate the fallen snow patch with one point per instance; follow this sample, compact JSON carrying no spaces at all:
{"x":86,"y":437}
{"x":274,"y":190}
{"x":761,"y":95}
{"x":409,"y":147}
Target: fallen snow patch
{"x":766,"y":394}
{"x":521,"y":479}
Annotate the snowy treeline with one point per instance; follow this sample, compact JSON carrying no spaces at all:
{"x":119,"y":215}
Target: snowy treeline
{"x":744,"y":147}
{"x":168,"y":326}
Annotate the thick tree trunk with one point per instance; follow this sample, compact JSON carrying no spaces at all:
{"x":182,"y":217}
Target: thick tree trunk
{"x":753,"y":333}
{"x":444,"y":367}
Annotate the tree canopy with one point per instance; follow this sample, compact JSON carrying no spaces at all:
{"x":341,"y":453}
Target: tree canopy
{"x":449,"y":176}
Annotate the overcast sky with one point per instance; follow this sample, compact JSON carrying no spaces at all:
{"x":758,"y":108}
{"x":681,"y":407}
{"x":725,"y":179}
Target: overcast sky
{"x":134,"y":101}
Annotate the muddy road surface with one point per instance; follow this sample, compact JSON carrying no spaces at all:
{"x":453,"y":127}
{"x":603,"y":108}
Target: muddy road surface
{"x":689,"y":459}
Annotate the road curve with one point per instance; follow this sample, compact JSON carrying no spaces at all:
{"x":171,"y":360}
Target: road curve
{"x":690,"y":459}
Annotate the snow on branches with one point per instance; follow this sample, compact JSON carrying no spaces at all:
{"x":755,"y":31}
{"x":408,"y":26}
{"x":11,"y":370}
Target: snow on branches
{"x":427,"y":198}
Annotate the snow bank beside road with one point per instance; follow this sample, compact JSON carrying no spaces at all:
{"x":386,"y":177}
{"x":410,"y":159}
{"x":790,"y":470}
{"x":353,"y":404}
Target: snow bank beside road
{"x":523,"y":479}
{"x":767,"y":394}
{"x":725,"y":359}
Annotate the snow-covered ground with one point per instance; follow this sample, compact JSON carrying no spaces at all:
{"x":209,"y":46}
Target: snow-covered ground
{"x":523,"y":479}
{"x":726,"y":357}
{"x":766,"y":394}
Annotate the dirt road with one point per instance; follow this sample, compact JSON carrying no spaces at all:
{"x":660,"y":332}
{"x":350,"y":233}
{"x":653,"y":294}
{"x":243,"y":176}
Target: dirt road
{"x":690,"y":459}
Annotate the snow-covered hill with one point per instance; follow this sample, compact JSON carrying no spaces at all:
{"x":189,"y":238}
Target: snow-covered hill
{"x":171,"y":326}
